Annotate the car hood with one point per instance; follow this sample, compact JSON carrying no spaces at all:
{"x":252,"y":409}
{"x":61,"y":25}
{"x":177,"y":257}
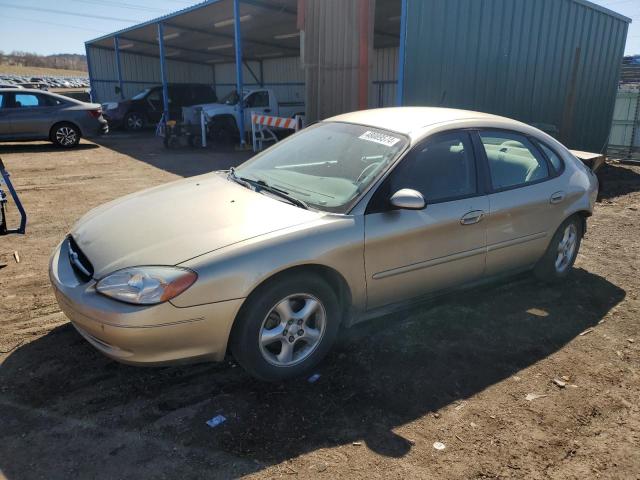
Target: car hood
{"x":173,"y":223}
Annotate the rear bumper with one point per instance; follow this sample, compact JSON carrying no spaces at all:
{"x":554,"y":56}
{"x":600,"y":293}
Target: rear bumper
{"x":96,"y":131}
{"x":141,"y":335}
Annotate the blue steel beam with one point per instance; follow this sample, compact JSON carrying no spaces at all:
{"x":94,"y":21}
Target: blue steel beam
{"x":163,"y":73}
{"x":92,"y":93}
{"x":253,"y":74}
{"x":116,"y":46}
{"x":401,"y":53}
{"x":239,"y":84}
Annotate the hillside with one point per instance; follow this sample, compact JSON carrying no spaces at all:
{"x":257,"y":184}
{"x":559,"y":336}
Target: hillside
{"x":39,"y":71}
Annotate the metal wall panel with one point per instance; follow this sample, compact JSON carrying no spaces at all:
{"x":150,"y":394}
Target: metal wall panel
{"x":138,"y":72}
{"x":625,"y":127}
{"x":551,"y":63}
{"x":332,"y":56}
{"x":385,"y":77}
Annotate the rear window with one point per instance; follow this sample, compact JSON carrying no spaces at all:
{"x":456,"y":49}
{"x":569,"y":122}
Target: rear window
{"x":553,"y":157}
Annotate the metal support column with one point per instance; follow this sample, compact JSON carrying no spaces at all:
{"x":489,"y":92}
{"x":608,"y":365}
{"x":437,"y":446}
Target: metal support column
{"x":401,"y":53}
{"x":92,"y":92}
{"x":163,"y":74}
{"x":239,"y":84}
{"x":116,"y":46}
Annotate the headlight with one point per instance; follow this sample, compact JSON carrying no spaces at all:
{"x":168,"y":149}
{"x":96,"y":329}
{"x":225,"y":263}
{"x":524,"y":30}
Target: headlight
{"x":146,"y":285}
{"x":109,"y":106}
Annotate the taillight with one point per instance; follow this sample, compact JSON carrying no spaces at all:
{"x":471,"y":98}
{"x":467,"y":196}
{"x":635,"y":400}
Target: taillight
{"x":95,"y":113}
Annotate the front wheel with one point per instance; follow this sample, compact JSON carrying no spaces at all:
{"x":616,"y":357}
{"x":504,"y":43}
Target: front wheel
{"x":562,"y":251}
{"x":286,"y":328}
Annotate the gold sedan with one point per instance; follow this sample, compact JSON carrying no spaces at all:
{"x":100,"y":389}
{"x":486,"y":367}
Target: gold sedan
{"x":360,"y":214}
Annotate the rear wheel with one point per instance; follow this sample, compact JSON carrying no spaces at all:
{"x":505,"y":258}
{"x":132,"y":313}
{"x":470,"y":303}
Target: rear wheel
{"x":562,"y":251}
{"x":286,"y":328}
{"x":65,"y":135}
{"x":134,"y":121}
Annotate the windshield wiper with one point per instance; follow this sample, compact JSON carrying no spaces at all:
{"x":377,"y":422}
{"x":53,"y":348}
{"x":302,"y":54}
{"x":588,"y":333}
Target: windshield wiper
{"x":259,"y":185}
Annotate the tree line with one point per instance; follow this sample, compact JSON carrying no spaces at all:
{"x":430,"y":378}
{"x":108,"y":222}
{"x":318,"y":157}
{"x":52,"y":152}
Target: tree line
{"x":67,"y":61}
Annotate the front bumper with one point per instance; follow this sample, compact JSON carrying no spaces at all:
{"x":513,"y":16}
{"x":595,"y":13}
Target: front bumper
{"x":141,"y":335}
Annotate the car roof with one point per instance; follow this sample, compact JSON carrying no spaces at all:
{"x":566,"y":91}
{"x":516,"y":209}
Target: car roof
{"x":415,"y":121}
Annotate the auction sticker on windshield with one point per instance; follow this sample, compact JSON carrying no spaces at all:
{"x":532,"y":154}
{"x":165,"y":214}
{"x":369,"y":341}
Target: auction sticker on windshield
{"x":381,"y":138}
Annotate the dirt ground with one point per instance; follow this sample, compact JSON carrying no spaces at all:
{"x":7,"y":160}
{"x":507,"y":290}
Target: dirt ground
{"x":457,"y":371}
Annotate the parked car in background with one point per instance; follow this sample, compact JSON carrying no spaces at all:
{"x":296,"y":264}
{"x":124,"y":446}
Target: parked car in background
{"x":349,"y":218}
{"x":224,"y":118}
{"x":27,"y":115}
{"x":146,"y":107}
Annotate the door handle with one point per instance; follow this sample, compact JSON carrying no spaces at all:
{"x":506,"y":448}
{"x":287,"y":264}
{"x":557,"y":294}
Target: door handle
{"x":557,"y":197}
{"x":472,"y":217}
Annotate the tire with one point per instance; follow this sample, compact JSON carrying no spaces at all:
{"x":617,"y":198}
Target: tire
{"x":272,"y":337}
{"x":224,"y":130}
{"x":65,"y":135}
{"x":562,"y":251}
{"x":134,"y":121}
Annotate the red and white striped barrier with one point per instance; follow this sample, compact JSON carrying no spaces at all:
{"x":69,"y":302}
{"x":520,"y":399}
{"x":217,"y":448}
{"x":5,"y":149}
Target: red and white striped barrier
{"x":261,"y":128}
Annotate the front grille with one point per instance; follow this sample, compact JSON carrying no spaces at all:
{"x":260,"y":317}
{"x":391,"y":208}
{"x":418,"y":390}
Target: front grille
{"x":80,"y":263}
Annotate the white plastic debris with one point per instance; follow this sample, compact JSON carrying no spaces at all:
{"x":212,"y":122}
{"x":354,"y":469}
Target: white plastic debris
{"x":439,"y":446}
{"x":559,"y":382}
{"x":533,"y":396}
{"x":217,"y":420}
{"x":313,"y":378}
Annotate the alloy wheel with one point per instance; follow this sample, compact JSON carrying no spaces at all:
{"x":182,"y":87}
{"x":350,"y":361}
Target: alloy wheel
{"x":134,"y":121}
{"x":566,"y":248}
{"x":292,"y":330}
{"x":66,"y":136}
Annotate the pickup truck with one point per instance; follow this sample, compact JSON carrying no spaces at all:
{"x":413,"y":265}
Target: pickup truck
{"x":223,"y":118}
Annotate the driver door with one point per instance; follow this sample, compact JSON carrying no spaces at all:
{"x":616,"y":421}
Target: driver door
{"x":409,"y":253}
{"x":257,"y":102}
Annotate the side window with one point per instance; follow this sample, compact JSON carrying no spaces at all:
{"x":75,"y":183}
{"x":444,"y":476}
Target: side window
{"x":258,"y":100}
{"x":554,"y":158}
{"x":513,"y":160}
{"x":27,"y":100}
{"x":46,"y":100}
{"x":2,"y":99}
{"x":442,"y":168}
{"x":155,"y":96}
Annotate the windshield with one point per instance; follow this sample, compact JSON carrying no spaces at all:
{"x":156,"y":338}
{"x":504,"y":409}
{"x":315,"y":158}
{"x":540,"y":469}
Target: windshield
{"x":230,"y":98}
{"x":326,"y":165}
{"x":141,"y":95}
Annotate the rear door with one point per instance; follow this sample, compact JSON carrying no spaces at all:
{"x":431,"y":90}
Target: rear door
{"x":526,"y":200}
{"x":409,"y":253}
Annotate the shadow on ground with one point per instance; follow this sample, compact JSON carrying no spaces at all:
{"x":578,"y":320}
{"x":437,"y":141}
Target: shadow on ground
{"x":69,"y":411}
{"x":184,"y":160}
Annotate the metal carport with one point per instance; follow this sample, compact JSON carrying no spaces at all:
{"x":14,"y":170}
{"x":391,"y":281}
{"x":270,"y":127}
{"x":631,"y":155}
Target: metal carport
{"x":192,"y":41}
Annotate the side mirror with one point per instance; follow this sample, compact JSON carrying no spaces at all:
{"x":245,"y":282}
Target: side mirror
{"x":407,"y":199}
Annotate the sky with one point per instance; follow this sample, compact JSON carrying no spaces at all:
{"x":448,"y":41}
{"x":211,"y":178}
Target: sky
{"x":62,"y":26}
